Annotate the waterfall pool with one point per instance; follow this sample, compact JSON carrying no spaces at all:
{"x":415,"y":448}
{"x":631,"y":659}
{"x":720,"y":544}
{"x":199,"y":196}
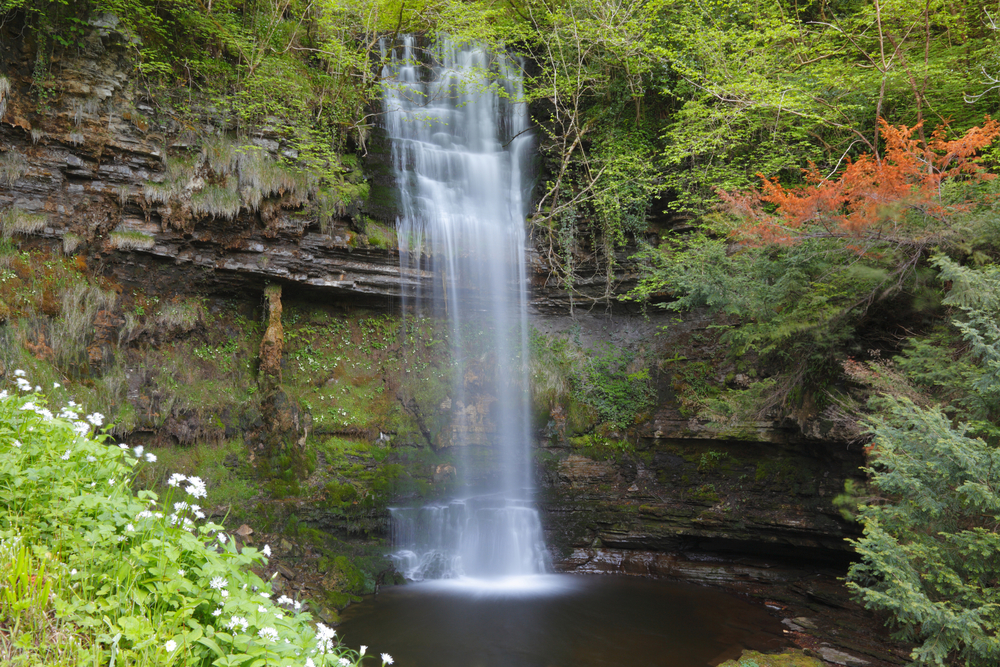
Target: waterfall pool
{"x":559,"y":620}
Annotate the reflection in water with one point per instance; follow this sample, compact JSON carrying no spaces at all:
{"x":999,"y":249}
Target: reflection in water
{"x":559,"y":621}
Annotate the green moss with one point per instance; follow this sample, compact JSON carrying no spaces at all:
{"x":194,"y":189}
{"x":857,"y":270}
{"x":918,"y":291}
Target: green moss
{"x":791,"y":658}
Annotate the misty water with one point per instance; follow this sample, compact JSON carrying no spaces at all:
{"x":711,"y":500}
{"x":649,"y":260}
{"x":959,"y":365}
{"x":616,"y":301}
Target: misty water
{"x":461,"y":148}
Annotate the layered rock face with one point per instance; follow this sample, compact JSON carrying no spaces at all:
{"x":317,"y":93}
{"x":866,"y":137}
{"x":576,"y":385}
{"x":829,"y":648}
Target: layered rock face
{"x":642,"y":499}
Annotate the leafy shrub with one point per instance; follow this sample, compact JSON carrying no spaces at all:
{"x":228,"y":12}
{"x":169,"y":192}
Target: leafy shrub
{"x":606,"y":383}
{"x":128,"y":578}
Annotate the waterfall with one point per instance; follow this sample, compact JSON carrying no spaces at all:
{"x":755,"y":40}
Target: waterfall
{"x":460,"y":150}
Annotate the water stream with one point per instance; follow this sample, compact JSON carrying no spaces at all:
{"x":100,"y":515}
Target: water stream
{"x":461,"y":147}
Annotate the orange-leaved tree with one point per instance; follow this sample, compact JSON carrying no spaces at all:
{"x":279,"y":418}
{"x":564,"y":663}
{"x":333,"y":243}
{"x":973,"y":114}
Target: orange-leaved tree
{"x":895,"y":199}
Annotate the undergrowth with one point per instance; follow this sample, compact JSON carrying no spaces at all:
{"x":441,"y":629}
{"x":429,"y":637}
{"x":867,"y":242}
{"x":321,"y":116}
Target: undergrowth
{"x":99,"y":574}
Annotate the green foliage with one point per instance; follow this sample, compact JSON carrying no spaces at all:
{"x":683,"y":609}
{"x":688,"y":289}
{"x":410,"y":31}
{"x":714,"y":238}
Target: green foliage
{"x":929,"y":553}
{"x":135,"y":582}
{"x":608,"y":381}
{"x":930,"y":550}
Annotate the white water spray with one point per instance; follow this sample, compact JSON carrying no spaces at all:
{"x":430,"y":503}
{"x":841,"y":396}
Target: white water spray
{"x":461,"y":148}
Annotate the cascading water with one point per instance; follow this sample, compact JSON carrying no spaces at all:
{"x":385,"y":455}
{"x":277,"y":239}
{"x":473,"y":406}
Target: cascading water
{"x":460,"y":151}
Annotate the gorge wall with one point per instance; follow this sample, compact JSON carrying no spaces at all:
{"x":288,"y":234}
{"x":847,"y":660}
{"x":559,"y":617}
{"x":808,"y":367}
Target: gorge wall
{"x":96,"y":168}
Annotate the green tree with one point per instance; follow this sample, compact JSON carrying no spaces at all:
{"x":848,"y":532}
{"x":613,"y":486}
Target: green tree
{"x":930,"y":555}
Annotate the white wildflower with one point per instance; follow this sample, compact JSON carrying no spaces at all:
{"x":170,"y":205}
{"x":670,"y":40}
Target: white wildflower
{"x":151,"y":457}
{"x":238,"y":622}
{"x":180,"y":573}
{"x":19,"y":373}
{"x":176,"y":479}
{"x":96,"y":418}
{"x":122,"y":446}
{"x":56,"y":385}
{"x":28,"y":406}
{"x":298,"y":605}
{"x":217,"y":612}
{"x":386,"y":659}
{"x":218,"y":583}
{"x":180,"y":506}
{"x":363,"y":649}
{"x":170,"y":646}
{"x":145,"y":514}
{"x":91,"y":458}
{"x":224,"y":593}
{"x":65,"y":457}
{"x":199,"y":514}
{"x":343,"y":662}
{"x":83,"y":428}
{"x":262,"y":609}
{"x":264,"y":595}
{"x":268,"y":634}
{"x":196,"y":487}
{"x":324,"y":638}
{"x":17,"y":443}
{"x":38,"y":387}
{"x":284,"y":599}
{"x":139,"y":449}
{"x":222,"y":538}
{"x":129,"y":528}
{"x":266,"y":550}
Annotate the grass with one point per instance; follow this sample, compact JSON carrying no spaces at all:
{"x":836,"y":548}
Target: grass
{"x":12,"y":164}
{"x":17,"y":221}
{"x":128,"y":239}
{"x":70,"y":242}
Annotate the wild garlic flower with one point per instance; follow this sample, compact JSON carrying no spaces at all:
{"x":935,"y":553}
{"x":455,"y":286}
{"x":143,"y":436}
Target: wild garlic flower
{"x":122,"y":446}
{"x":324,"y":638}
{"x":343,"y":662}
{"x":151,"y":457}
{"x":138,"y":449}
{"x":284,"y":599}
{"x":180,"y":506}
{"x":222,"y":538}
{"x":218,"y":583}
{"x":386,"y":659}
{"x":266,"y":550}
{"x":238,"y":622}
{"x":176,"y":479}
{"x":261,"y":609}
{"x":268,"y":634}
{"x":96,"y":418}
{"x":217,"y":612}
{"x":363,"y":649}
{"x":19,"y":373}
{"x":65,"y":457}
{"x":196,"y":487}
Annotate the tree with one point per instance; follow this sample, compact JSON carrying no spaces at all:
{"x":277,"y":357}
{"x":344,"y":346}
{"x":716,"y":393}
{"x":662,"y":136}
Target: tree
{"x":930,"y":554}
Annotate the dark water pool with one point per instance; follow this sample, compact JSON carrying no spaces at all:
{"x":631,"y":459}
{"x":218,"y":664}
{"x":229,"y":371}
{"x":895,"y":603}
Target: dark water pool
{"x":558,"y":621}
